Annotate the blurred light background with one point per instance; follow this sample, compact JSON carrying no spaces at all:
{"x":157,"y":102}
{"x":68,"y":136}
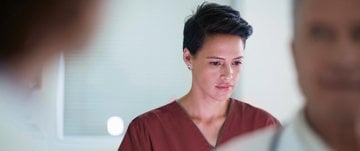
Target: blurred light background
{"x":135,"y":64}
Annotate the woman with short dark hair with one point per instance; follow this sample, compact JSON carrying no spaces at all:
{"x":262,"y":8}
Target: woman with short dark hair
{"x":206,"y":117}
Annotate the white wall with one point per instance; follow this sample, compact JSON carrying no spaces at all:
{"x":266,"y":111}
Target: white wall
{"x":268,"y":79}
{"x":149,"y":31}
{"x":134,"y":65}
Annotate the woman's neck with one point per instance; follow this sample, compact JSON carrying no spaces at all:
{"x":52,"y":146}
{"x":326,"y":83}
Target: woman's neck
{"x":204,"y":107}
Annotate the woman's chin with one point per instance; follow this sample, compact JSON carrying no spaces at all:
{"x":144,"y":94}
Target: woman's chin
{"x":223,"y":97}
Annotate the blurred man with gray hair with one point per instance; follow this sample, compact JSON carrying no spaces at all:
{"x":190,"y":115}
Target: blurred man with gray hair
{"x":326,"y":52}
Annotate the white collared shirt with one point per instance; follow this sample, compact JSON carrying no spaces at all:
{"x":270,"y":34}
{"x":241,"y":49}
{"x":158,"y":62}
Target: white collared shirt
{"x":297,"y":136}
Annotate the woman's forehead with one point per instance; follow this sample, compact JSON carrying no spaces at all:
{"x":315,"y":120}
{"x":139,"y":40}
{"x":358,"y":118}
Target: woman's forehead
{"x":222,"y":45}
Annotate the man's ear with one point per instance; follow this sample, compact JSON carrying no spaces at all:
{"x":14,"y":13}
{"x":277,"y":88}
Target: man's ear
{"x":187,"y":57}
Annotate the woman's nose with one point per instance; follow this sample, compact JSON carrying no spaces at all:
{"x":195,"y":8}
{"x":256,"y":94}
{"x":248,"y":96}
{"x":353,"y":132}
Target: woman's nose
{"x":227,"y":72}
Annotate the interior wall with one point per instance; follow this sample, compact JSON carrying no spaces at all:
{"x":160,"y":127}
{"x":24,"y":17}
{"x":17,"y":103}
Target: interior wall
{"x":268,"y":78}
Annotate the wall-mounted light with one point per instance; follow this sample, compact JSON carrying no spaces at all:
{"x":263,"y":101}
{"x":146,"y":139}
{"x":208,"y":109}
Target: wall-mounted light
{"x":115,"y":126}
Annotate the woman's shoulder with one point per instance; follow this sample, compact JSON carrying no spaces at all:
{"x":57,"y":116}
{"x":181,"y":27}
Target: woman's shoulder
{"x":244,"y":106}
{"x":156,"y":115}
{"x":253,"y":112}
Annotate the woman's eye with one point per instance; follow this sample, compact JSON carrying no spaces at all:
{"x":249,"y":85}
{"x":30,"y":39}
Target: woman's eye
{"x":215,"y":63}
{"x":237,"y":63}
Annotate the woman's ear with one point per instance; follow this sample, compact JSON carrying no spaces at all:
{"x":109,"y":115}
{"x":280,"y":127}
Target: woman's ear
{"x":187,"y":58}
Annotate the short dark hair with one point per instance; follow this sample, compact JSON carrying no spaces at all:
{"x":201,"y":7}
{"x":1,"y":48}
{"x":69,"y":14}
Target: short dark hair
{"x":210,"y":19}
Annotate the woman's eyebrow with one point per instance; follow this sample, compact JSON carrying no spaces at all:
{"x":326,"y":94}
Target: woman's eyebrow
{"x":239,"y":57}
{"x":214,"y":57}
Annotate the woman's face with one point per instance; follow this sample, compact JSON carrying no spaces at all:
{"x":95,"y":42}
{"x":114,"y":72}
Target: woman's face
{"x":216,"y":66}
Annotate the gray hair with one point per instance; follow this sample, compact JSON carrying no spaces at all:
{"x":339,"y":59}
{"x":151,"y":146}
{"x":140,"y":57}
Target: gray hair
{"x":295,"y":11}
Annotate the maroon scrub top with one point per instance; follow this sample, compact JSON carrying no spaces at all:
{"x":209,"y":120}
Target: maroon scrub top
{"x":169,"y":128}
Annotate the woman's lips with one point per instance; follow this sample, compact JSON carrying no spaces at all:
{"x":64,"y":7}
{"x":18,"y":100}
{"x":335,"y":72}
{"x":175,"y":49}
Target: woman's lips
{"x":224,"y":87}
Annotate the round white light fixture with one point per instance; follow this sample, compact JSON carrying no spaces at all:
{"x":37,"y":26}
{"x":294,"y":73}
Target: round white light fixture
{"x":115,"y":126}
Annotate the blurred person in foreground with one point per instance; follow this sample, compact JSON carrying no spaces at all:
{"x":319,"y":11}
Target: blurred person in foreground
{"x":214,"y":41}
{"x":32,"y":34}
{"x":326,"y":52}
